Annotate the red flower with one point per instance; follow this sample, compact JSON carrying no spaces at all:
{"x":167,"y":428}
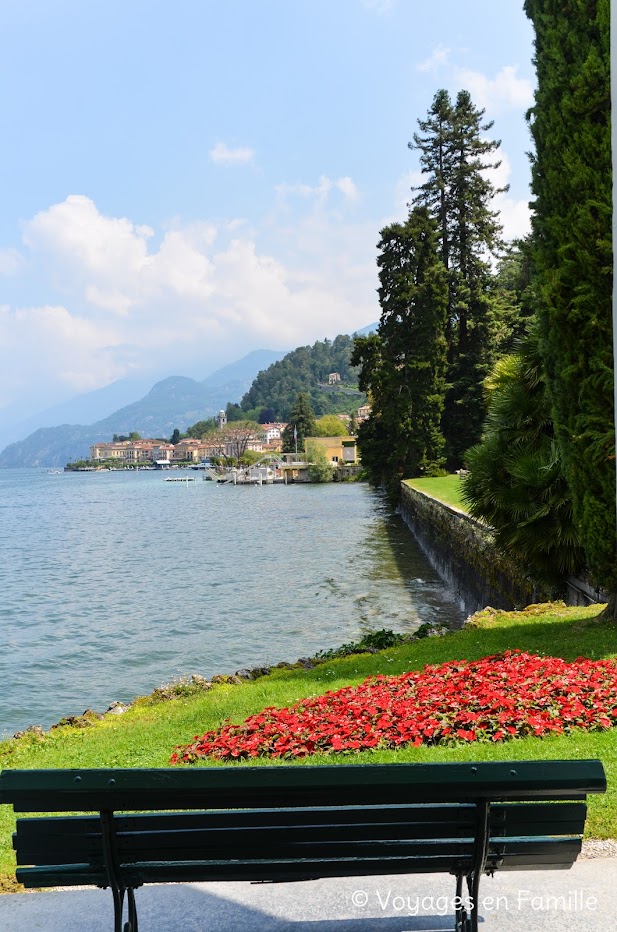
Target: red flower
{"x":493,"y":699}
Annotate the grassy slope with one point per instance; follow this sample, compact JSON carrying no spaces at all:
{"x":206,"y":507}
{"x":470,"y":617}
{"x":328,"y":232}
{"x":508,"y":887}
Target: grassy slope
{"x":447,"y":489}
{"x":146,"y":734}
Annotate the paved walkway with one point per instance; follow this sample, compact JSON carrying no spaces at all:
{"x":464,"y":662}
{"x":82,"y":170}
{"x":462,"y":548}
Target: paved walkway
{"x":582,"y":899}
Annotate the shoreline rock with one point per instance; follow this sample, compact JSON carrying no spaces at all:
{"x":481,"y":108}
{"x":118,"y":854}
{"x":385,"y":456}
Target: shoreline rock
{"x":195,"y":682}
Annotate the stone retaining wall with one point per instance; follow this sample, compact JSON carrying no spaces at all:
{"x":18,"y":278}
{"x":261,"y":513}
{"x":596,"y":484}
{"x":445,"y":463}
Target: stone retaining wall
{"x":461,"y":550}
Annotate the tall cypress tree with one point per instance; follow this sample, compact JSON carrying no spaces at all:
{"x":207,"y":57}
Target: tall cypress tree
{"x":454,"y":154}
{"x":571,"y":180}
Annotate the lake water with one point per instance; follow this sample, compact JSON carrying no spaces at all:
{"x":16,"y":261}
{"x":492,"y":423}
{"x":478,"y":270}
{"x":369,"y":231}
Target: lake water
{"x":115,"y":583}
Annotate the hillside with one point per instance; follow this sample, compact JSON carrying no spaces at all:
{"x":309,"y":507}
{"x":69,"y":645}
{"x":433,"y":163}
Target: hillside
{"x":173,"y":402}
{"x":306,"y":369}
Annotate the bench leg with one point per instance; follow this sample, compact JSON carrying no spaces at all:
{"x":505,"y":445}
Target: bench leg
{"x":131,"y":925}
{"x":467,"y":921}
{"x":118,"y":896}
{"x":113,"y":874}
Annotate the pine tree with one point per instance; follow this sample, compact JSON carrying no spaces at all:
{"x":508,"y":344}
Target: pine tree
{"x":457,"y":193}
{"x":436,"y":158}
{"x":302,"y":419}
{"x":571,"y":181}
{"x":403,"y":367}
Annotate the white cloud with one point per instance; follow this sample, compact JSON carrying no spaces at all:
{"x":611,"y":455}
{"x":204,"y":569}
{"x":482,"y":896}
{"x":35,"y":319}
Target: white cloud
{"x":10,"y":261}
{"x":221,"y":154}
{"x":347,"y":187}
{"x":192,"y":297}
{"x":505,"y":91}
{"x":403,"y":193}
{"x":439,"y":57}
{"x":321,"y":191}
{"x":514,"y":214}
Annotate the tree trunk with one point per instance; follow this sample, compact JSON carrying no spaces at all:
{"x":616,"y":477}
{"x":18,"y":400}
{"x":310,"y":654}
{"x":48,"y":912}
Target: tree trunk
{"x":610,"y":612}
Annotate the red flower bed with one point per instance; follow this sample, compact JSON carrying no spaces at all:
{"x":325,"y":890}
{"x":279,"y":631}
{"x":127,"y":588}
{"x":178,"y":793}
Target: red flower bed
{"x":493,"y":699}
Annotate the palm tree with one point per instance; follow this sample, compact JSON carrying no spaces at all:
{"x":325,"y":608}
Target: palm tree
{"x":515,"y":481}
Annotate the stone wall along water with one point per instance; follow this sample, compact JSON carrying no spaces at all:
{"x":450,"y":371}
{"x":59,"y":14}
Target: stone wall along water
{"x":462,"y":551}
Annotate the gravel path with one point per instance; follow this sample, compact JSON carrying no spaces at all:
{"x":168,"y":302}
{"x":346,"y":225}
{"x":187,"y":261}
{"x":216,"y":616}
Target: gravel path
{"x":599,"y":848}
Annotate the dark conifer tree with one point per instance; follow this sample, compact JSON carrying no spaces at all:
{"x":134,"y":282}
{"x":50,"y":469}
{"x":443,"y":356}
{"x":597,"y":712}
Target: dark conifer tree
{"x":302,"y":419}
{"x":455,"y":155}
{"x":403,"y":367}
{"x":571,"y":180}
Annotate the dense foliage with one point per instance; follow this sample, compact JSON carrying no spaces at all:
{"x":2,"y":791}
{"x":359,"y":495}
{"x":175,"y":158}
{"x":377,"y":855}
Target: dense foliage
{"x":515,"y":481}
{"x":330,"y":426}
{"x":510,"y":695}
{"x":571,"y":181}
{"x":320,"y":469}
{"x":306,"y":369}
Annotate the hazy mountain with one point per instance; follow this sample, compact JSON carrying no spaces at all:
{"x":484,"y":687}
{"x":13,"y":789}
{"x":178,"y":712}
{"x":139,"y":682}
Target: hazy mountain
{"x":173,"y":402}
{"x":82,"y":409}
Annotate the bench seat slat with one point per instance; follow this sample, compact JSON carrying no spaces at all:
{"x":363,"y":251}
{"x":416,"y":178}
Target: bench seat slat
{"x":514,"y":850}
{"x":558,"y":855}
{"x":524,"y":817}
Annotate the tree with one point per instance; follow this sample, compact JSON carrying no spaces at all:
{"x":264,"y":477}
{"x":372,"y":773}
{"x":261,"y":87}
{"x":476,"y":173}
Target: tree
{"x":231,"y":441}
{"x":330,"y":426}
{"x":516,"y":482}
{"x":302,"y":420}
{"x":122,"y":438}
{"x":176,"y":437}
{"x":201,"y":428}
{"x":513,"y":297}
{"x":455,"y":155}
{"x":267,"y":416}
{"x":403,"y":367}
{"x":437,"y":161}
{"x":234,"y":412}
{"x":571,"y":181}
{"x":319,"y":469}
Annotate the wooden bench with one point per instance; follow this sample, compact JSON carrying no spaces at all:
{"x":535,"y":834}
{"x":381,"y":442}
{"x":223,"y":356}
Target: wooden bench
{"x":294,"y":823}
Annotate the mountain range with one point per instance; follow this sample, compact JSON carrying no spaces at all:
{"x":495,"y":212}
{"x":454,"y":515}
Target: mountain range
{"x":173,"y":402}
{"x":176,"y":401}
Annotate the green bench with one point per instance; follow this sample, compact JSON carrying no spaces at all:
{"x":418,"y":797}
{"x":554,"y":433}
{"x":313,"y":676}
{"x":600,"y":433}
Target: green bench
{"x":297,"y":823}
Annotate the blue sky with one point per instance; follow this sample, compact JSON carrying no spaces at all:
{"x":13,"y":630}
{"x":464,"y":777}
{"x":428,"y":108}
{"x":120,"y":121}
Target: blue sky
{"x":185,"y":182}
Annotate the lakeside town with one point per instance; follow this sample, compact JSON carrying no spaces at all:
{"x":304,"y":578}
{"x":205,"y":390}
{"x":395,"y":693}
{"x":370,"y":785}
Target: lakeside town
{"x":222,"y":446}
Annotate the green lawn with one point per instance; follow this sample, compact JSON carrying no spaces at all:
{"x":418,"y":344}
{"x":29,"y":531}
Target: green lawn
{"x":147,"y":733}
{"x":446,"y":488}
